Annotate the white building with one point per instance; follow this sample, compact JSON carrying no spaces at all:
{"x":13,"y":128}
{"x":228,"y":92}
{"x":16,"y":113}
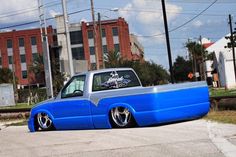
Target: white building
{"x":223,"y":62}
{"x":79,"y":63}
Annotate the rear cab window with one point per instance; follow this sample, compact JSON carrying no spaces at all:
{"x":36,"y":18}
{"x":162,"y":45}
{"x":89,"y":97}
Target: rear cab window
{"x":114,"y":80}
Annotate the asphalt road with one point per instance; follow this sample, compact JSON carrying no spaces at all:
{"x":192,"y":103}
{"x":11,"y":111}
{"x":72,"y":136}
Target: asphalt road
{"x":197,"y":138}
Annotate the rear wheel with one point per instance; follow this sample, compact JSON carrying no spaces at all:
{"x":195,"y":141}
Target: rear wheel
{"x":44,"y":122}
{"x":121,"y":117}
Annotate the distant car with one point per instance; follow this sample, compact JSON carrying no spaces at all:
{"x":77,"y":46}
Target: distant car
{"x":115,"y":98}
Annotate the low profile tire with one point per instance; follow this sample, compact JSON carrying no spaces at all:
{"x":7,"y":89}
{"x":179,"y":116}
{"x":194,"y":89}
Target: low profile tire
{"x":44,"y":122}
{"x":121,"y":117}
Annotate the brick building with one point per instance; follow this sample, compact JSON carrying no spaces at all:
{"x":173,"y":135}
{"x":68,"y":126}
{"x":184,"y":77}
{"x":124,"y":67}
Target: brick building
{"x":114,"y":36}
{"x":18,"y":49}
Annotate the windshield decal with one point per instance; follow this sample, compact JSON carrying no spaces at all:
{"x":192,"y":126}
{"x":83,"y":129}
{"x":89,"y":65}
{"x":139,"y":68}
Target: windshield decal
{"x":115,"y":81}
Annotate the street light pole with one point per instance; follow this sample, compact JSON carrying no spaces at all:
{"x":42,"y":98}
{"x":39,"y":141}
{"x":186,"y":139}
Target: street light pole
{"x":100,"y":31}
{"x":70,"y":60}
{"x":95,"y":35}
{"x":46,"y":55}
{"x":167,"y":40}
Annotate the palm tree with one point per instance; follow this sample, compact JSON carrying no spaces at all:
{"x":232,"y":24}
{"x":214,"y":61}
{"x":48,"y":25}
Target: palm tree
{"x":112,"y":59}
{"x":6,"y":75}
{"x":37,"y":68}
{"x":57,"y":76}
{"x":197,"y":54}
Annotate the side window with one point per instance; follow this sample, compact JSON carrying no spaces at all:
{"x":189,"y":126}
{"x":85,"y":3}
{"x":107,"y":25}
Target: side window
{"x":75,"y":87}
{"x":114,"y":80}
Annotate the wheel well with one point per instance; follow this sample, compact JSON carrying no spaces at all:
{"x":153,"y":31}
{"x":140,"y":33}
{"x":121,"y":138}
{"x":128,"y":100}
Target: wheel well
{"x":36,"y":124}
{"x":110,"y":116}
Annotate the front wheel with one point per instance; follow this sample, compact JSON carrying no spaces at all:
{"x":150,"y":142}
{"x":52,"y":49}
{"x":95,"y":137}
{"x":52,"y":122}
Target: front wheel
{"x":44,"y":122}
{"x":121,"y":117}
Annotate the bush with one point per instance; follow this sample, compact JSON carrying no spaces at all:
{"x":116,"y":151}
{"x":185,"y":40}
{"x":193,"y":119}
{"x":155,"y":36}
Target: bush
{"x":23,"y":95}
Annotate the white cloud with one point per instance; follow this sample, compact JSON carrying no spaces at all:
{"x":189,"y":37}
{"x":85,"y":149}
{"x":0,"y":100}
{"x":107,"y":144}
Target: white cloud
{"x":148,"y":15}
{"x":10,"y":11}
{"x":197,"y":23}
{"x":53,"y":13}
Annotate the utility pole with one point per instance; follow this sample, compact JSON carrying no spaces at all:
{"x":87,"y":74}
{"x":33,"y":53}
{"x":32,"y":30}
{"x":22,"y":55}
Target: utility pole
{"x":232,"y":43}
{"x":95,"y":35}
{"x":70,"y":60}
{"x":167,"y":40}
{"x":100,"y":30}
{"x":14,"y":75}
{"x":46,"y":56}
{"x":203,"y":77}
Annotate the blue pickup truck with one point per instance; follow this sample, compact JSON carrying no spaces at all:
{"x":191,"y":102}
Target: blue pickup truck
{"x":116,"y":98}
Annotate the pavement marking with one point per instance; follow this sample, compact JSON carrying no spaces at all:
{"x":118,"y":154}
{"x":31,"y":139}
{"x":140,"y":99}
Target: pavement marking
{"x":227,"y":148}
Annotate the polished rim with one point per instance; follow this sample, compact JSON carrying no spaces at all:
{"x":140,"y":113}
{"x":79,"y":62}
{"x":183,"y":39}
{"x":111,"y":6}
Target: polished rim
{"x":121,"y":116}
{"x":44,"y":121}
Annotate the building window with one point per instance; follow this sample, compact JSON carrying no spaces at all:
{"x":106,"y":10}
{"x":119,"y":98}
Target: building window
{"x":22,"y":59}
{"x":24,"y":74}
{"x":92,"y":50}
{"x":104,"y":48}
{"x":35,"y":56}
{"x":21,"y":42}
{"x":90,"y":34}
{"x":76,"y":37}
{"x":115,"y":31}
{"x":33,"y":40}
{"x":103,"y":33}
{"x":117,"y":47}
{"x":78,"y":53}
{"x":9,"y":43}
{"x":10,"y":59}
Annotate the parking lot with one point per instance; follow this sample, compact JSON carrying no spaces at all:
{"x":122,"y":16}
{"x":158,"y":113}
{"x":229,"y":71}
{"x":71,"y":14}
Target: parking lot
{"x":193,"y":138}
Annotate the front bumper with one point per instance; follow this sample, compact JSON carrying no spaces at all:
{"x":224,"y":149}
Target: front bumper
{"x":31,"y":124}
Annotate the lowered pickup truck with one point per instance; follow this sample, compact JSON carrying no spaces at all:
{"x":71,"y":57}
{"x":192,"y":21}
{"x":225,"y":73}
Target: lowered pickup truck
{"x":115,"y":98}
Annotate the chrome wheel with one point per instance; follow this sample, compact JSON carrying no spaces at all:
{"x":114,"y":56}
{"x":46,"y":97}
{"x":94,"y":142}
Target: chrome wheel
{"x":44,"y":121}
{"x":121,"y":117}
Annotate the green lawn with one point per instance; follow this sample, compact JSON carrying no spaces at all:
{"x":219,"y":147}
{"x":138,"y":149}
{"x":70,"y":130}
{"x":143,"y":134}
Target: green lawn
{"x":18,"y":105}
{"x":222,"y":92}
{"x":20,"y":123}
{"x":222,"y":116}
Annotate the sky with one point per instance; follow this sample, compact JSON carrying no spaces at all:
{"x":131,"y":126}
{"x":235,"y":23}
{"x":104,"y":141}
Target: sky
{"x":143,"y":16}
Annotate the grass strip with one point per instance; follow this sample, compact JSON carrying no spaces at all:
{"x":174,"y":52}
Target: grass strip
{"x":222,"y":116}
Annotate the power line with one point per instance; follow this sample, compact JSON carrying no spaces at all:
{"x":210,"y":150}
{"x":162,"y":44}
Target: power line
{"x":27,"y":10}
{"x":205,"y":2}
{"x":36,"y":21}
{"x":176,"y":28}
{"x":186,"y":13}
{"x":197,"y":1}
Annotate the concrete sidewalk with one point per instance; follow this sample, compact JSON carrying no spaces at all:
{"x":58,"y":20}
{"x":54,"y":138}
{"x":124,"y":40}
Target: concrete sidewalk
{"x":193,"y":138}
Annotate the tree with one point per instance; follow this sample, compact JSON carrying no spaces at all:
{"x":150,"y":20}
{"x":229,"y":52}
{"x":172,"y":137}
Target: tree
{"x":112,"y":59}
{"x":181,"y":69}
{"x":149,"y":72}
{"x":37,"y":68}
{"x":6,"y":75}
{"x":57,"y":76}
{"x":197,"y":54}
